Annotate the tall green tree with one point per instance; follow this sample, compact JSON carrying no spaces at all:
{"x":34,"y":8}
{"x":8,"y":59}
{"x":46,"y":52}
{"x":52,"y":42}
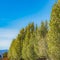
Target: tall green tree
{"x":40,"y":46}
{"x":30,"y":44}
{"x":30,"y":30}
{"x":20,"y":40}
{"x":53,"y":39}
{"x":15,"y":50}
{"x":31,"y":48}
{"x":12,"y":53}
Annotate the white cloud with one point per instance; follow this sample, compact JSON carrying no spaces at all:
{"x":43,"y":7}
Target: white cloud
{"x":5,"y":44}
{"x":6,"y":36}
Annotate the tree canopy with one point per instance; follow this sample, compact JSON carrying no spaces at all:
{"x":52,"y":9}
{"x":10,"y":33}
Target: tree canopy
{"x":35,"y":42}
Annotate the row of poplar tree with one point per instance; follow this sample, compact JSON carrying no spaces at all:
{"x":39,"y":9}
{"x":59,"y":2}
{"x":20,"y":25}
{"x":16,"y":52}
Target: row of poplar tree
{"x":35,"y":42}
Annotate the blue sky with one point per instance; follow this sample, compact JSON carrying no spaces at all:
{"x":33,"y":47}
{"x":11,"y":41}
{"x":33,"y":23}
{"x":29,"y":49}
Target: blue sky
{"x":16,"y":14}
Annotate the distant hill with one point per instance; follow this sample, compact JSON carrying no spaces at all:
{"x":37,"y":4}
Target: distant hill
{"x":3,"y":51}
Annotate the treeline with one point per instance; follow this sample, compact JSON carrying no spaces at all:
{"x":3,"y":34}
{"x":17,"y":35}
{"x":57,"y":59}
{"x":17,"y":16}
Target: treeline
{"x":35,"y":42}
{"x":30,"y":43}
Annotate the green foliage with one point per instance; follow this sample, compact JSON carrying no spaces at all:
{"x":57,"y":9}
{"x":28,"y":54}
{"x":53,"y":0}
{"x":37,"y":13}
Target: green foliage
{"x":30,"y":30}
{"x":53,"y":39}
{"x":12,"y":53}
{"x":40,"y":46}
{"x":43,"y":29}
{"x":5,"y":54}
{"x":31,"y":48}
{"x":35,"y":42}
{"x":30,"y":43}
{"x":58,"y":1}
{"x":15,"y":51}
